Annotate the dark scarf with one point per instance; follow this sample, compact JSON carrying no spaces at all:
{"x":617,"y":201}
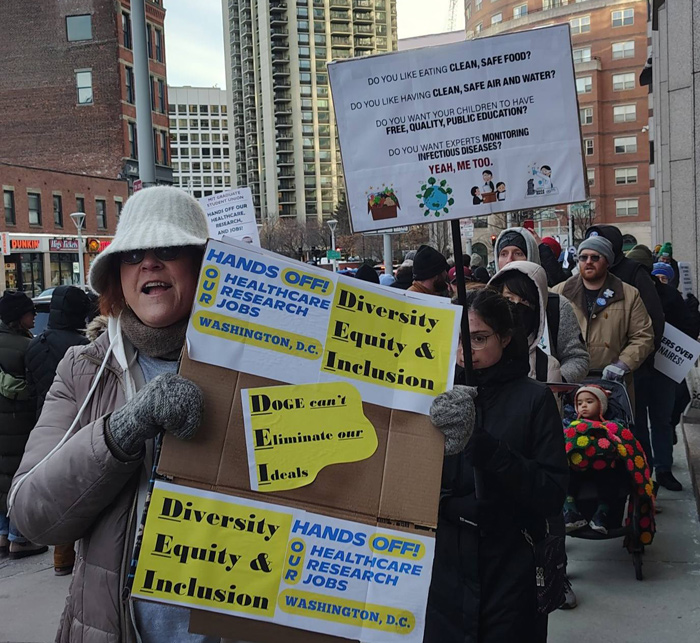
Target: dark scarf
{"x":162,"y":343}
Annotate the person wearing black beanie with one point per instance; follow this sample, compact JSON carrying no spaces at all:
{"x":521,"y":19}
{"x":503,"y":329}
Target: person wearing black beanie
{"x":17,"y":411}
{"x":366,"y":273}
{"x":429,"y":272}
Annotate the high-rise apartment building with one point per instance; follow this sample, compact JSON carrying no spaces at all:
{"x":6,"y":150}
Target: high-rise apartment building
{"x":68,"y":130}
{"x":199,"y":139}
{"x":281,"y":122}
{"x":610,"y":48}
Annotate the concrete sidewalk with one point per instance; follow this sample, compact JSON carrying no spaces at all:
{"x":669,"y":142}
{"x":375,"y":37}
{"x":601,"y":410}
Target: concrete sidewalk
{"x":616,"y":608}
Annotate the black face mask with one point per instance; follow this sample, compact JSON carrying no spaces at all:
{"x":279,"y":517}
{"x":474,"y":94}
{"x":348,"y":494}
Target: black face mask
{"x":529,"y":318}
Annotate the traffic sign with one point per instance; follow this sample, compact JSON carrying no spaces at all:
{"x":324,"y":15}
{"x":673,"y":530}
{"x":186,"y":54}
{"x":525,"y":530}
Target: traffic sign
{"x":466,"y":228}
{"x":332,"y":254}
{"x":398,"y":230}
{"x":138,"y":185}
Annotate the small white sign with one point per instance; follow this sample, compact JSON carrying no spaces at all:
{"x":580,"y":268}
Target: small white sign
{"x":400,"y":230}
{"x":686,"y":278}
{"x":466,"y":228}
{"x":232,"y":214}
{"x":677,"y":354}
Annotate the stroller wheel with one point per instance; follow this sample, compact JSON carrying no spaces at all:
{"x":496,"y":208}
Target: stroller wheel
{"x":637,"y":560}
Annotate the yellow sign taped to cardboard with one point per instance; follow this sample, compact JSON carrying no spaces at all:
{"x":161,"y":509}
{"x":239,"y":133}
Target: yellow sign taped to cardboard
{"x":292,"y":432}
{"x":283,"y":565}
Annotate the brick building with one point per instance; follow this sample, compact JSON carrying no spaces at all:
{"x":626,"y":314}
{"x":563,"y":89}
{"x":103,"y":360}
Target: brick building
{"x":68,"y":122}
{"x":609,"y":41}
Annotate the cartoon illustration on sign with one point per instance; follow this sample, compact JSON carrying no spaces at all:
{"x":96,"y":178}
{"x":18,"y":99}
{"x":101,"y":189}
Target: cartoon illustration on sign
{"x":435,"y":197}
{"x":383,"y":204}
{"x":540,"y":182}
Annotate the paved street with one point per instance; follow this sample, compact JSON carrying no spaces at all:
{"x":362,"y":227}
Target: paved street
{"x":613,"y":606}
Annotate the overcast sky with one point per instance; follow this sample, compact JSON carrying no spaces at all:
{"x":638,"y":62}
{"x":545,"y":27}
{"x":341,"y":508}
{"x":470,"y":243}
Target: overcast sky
{"x":194,"y":35}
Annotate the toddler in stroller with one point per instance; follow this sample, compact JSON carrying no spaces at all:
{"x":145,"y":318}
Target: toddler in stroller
{"x":604,"y":447}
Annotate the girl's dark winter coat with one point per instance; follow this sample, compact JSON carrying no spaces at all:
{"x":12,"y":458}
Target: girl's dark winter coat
{"x":483,"y":586}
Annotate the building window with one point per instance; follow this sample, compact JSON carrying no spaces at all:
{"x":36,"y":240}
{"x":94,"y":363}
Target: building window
{"x":586,"y":115}
{"x":477,"y":5}
{"x":152,"y":82}
{"x":624,"y":113}
{"x":159,"y":45}
{"x":588,"y":146}
{"x":118,"y":207}
{"x":149,"y":34}
{"x":101,"y":213}
{"x":520,"y":11}
{"x":161,"y":96}
{"x":584,"y":85}
{"x":34,"y":203}
{"x":623,"y":18}
{"x":582,"y":55}
{"x":83,"y":83}
{"x":126,"y":29}
{"x":623,"y":81}
{"x":626,"y":207}
{"x":626,"y":145}
{"x":129,"y":80}
{"x":478,"y":28}
{"x":495,"y":19}
{"x":79,"y":28}
{"x":9,"y":201}
{"x":625,"y":175}
{"x":623,"y":49}
{"x":80,"y":204}
{"x":163,"y":148}
{"x":133,"y":142}
{"x":580,"y":25}
{"x":58,"y":210}
{"x":468,"y":12}
{"x":590,"y":175}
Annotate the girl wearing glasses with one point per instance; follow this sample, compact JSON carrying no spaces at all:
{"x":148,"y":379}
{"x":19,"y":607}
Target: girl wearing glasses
{"x":483,"y":587}
{"x":113,"y":399}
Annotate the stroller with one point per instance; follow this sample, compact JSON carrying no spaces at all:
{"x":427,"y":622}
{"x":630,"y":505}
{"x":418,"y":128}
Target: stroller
{"x":619,"y":409}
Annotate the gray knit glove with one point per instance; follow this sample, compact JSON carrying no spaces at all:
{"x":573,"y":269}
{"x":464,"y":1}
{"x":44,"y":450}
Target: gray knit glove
{"x":167,"y":403}
{"x":453,"y":413}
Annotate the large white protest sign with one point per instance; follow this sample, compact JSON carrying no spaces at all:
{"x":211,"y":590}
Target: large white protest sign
{"x":459,"y":130}
{"x":232,"y":214}
{"x":260,"y":313}
{"x":677,"y":354}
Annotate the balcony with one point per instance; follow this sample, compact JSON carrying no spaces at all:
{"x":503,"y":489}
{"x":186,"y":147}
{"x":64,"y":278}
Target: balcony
{"x":283,"y":110}
{"x":285,"y":185}
{"x":338,"y":3}
{"x":341,"y":41}
{"x":280,"y":59}
{"x":285,"y":173}
{"x":285,"y":160}
{"x":277,"y":5}
{"x":364,"y":16}
{"x":282,"y":97}
{"x":279,"y":44}
{"x":278,"y":19}
{"x":362,"y":4}
{"x":340,"y":16}
{"x":284,"y":134}
{"x":363,"y":43}
{"x":279,"y":32}
{"x":364,"y":29}
{"x":285,"y":147}
{"x":341,"y":29}
{"x":280,"y":71}
{"x":283,"y":121}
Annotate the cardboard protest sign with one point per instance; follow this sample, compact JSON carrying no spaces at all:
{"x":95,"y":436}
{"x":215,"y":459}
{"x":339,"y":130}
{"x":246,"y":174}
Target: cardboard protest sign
{"x":285,"y":320}
{"x":292,"y":432}
{"x":459,"y":130}
{"x":282,"y":565}
{"x":677,"y":354}
{"x":685,"y":278}
{"x":232,"y":214}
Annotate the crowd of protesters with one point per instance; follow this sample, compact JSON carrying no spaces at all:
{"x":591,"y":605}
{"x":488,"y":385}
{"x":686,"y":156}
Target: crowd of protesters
{"x":82,"y":414}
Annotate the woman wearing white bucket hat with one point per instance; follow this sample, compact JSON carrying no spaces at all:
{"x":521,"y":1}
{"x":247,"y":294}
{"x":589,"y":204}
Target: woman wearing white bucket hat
{"x":85,"y":471}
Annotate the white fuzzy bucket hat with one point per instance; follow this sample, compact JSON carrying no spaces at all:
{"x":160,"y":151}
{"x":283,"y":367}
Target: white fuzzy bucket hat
{"x":156,"y":217}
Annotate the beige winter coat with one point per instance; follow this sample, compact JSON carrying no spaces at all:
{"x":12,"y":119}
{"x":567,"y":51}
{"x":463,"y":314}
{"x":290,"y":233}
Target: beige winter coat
{"x":82,"y":492}
{"x":619,"y":329}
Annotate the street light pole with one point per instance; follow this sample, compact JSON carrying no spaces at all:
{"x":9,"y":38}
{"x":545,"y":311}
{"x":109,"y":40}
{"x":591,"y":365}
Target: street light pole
{"x":79,"y":220}
{"x":332,"y":223}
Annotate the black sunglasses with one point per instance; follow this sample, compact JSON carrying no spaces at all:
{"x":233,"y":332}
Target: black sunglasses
{"x":133,"y":257}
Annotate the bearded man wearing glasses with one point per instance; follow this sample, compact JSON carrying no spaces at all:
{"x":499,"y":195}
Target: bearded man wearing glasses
{"x":616,"y":326}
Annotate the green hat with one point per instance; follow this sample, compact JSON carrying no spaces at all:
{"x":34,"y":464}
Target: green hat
{"x":666,"y":250}
{"x":642,"y":254}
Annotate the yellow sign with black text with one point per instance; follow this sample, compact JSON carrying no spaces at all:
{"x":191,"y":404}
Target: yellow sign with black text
{"x":292,"y":432}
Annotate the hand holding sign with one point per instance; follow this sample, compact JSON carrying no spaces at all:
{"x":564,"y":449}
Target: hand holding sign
{"x":292,"y":432}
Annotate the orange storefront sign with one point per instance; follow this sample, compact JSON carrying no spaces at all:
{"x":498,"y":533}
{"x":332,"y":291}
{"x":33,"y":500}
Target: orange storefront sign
{"x":24,"y":244}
